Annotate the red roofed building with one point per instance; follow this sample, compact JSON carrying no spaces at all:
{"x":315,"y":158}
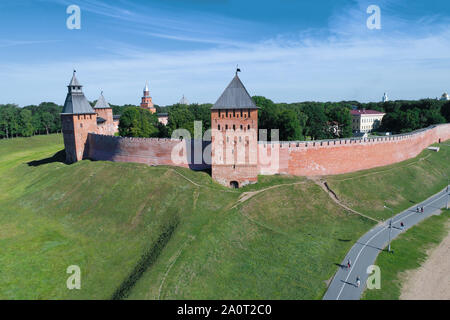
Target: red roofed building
{"x":366,"y":120}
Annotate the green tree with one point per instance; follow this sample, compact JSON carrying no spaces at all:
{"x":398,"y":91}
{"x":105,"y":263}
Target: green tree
{"x":26,"y":123}
{"x":340,"y":114}
{"x":289,"y":126}
{"x":138,"y":122}
{"x":445,"y":111}
{"x":9,"y":120}
{"x":317,"y":124}
{"x":47,"y":121}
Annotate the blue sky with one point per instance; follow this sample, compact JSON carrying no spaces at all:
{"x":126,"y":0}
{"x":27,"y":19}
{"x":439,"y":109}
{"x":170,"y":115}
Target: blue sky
{"x":288,"y":50}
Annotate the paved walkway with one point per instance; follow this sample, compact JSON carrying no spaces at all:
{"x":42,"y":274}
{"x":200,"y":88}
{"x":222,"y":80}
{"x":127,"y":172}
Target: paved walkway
{"x":367,"y":248}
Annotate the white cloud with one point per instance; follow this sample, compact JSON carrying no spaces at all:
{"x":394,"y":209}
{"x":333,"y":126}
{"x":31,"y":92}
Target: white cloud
{"x":345,"y":65}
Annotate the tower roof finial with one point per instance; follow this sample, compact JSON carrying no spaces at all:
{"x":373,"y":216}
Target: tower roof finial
{"x":237,"y":69}
{"x":74,"y":82}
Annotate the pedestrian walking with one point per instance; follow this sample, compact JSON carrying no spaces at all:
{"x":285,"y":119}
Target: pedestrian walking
{"x":421,"y":210}
{"x":417,"y":210}
{"x":358,"y":281}
{"x":402,"y":225}
{"x":349,"y":264}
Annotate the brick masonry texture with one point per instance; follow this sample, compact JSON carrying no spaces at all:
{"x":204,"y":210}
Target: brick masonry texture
{"x":312,"y":158}
{"x":151,"y":151}
{"x":330,"y":157}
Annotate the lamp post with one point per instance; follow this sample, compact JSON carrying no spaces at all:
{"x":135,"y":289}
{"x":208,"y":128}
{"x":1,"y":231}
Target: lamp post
{"x":390,"y":229}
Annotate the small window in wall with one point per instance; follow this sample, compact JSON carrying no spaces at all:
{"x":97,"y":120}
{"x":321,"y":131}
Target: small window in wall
{"x":234,"y":113}
{"x":219,"y":113}
{"x":226,"y":113}
{"x":226,"y":127}
{"x":241,"y":126}
{"x":248,"y":127}
{"x":241,"y":113}
{"x":81,"y":125}
{"x":234,"y":127}
{"x":218,"y":127}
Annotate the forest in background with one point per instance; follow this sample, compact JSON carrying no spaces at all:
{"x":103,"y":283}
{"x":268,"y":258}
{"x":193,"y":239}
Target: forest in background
{"x":295,"y":121}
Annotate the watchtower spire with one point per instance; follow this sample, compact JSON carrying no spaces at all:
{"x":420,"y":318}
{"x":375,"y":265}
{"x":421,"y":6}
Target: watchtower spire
{"x":146,"y":101}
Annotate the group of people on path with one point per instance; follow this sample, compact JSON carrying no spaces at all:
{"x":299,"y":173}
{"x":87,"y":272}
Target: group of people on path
{"x":358,"y":280}
{"x":349,"y":262}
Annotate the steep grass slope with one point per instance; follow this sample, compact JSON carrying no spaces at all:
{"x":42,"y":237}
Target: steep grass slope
{"x":159,"y":232}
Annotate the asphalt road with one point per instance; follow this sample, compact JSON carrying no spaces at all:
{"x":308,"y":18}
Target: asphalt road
{"x":366,"y":249}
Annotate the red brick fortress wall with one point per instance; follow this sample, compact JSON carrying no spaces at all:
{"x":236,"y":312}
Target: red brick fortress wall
{"x":329,"y":157}
{"x":151,"y":151}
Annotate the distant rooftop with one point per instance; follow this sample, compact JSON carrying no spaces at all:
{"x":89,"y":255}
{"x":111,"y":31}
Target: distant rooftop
{"x":184,"y":101}
{"x":365,"y":112}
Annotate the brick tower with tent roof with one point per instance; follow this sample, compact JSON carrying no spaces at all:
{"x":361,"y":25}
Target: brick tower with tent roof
{"x":78,"y":119}
{"x":234,"y":141}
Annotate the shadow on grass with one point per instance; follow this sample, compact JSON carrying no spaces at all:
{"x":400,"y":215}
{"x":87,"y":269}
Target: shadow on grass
{"x":147,"y":259}
{"x":60,"y":156}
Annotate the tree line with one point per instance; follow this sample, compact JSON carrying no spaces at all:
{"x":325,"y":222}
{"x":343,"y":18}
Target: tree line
{"x":30,"y":120}
{"x":295,"y":121}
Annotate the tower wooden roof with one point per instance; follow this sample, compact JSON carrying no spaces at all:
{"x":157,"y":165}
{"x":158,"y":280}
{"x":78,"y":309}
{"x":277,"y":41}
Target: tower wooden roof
{"x":235,"y":96}
{"x":76,"y":102}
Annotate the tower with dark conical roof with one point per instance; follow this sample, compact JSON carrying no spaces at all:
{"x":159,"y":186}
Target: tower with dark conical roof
{"x":105,"y":121}
{"x":234,"y":142}
{"x":78,"y":119}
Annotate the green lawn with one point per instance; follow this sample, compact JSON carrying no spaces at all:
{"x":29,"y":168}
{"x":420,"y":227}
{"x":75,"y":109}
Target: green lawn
{"x":148,"y":232}
{"x":410,"y":253}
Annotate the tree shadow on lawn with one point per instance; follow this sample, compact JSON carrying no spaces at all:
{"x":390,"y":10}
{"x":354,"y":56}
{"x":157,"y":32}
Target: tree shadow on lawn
{"x":60,"y":156}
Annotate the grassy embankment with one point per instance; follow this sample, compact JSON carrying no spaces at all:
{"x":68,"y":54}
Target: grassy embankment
{"x":410,"y":253}
{"x":161,"y":232}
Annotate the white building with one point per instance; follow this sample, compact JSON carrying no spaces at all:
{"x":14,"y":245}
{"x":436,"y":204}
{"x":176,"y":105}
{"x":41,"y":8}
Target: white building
{"x":366,"y":120}
{"x":385,"y":98}
{"x":445,"y":97}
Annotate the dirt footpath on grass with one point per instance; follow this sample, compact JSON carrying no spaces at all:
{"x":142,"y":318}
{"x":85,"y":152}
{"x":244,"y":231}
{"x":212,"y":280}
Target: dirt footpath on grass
{"x":432,"y":280}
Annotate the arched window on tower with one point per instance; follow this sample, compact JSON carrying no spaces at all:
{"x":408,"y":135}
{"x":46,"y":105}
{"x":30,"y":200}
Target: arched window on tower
{"x":218,"y":127}
{"x":234,"y":127}
{"x":248,"y":127}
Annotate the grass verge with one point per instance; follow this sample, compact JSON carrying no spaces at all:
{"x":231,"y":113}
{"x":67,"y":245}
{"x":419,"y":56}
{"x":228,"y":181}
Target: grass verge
{"x":410,"y":253}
